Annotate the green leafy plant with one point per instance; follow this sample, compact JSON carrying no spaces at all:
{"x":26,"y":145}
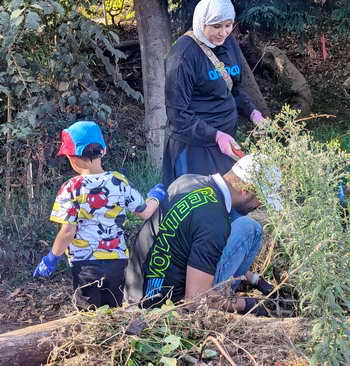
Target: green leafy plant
{"x":311,"y":231}
{"x":117,"y":10}
{"x":49,"y":58}
{"x":55,"y":66}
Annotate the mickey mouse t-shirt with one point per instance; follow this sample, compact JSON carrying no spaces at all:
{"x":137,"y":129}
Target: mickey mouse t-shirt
{"x":97,"y":204}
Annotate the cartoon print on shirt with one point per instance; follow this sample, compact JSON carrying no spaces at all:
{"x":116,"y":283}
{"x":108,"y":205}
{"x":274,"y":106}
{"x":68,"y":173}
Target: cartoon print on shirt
{"x":97,"y":204}
{"x":109,"y":242}
{"x":98,"y":198}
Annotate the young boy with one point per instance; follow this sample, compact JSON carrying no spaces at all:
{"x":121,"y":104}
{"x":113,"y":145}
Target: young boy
{"x":91,"y":208}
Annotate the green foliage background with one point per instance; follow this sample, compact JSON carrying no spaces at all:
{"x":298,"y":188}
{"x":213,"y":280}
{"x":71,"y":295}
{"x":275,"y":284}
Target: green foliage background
{"x":56,"y":67}
{"x":276,"y":17}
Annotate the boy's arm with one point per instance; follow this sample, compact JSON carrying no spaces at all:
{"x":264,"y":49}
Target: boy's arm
{"x":63,"y":238}
{"x":150,"y":208}
{"x":154,"y":196}
{"x":49,"y":262}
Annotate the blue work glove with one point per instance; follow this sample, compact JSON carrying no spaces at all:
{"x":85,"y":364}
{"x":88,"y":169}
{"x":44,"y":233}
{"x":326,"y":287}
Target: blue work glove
{"x":341,"y":192}
{"x":47,"y":266}
{"x":158,"y":192}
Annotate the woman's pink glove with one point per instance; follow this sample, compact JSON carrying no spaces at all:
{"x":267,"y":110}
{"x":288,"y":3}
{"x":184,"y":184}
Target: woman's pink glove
{"x":226,"y":143}
{"x":257,"y":118}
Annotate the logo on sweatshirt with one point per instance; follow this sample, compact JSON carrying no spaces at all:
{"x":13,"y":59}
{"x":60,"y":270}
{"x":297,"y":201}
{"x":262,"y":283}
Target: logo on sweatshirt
{"x":231,"y":70}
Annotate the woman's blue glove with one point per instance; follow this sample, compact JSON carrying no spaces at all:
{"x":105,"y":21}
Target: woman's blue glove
{"x":47,"y":266}
{"x":341,"y":193}
{"x":158,"y":192}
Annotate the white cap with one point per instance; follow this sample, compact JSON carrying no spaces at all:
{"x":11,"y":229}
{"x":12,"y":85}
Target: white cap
{"x":251,"y":169}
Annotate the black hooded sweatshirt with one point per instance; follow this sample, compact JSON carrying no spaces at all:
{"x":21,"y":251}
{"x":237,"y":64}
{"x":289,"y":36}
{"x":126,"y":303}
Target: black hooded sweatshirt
{"x":198,"y":102}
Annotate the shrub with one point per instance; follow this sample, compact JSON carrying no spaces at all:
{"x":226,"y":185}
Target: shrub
{"x":49,"y":58}
{"x":313,"y":235}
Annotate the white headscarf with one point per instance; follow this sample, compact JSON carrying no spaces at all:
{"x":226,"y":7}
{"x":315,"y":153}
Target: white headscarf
{"x":208,"y":12}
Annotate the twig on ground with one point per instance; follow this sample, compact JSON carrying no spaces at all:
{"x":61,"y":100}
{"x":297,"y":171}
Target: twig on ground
{"x":220,"y":348}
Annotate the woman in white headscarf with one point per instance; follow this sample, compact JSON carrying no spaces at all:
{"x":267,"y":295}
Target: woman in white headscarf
{"x":202,"y":111}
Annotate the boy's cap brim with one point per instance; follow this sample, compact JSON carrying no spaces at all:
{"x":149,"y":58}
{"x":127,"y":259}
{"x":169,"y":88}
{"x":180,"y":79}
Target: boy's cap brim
{"x":67,"y":145}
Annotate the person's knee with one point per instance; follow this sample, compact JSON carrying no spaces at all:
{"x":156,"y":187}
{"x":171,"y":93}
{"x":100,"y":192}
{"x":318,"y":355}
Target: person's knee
{"x":250,"y":227}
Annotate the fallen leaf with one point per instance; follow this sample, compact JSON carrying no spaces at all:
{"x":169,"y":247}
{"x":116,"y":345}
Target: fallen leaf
{"x":14,"y":293}
{"x":18,"y":299}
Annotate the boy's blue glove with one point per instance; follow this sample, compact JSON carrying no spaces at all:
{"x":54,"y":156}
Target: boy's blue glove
{"x":158,"y":192}
{"x":47,"y":266}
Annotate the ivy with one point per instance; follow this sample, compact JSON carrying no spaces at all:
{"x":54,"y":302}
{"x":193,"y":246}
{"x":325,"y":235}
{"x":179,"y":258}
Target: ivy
{"x":49,"y":51}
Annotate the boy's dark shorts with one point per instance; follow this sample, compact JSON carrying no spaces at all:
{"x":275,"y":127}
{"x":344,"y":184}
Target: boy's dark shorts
{"x":99,"y":282}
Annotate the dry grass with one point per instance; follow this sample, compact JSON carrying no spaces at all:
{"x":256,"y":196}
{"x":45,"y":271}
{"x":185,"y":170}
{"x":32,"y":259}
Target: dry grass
{"x":114,"y":338}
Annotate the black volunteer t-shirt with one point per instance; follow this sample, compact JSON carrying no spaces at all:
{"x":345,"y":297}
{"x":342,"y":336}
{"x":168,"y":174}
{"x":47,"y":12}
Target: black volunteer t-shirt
{"x":193,"y":232}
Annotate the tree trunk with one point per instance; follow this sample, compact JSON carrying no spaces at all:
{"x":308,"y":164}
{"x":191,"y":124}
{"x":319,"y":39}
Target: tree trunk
{"x":29,"y":346}
{"x":153,"y":28}
{"x":347,"y":84}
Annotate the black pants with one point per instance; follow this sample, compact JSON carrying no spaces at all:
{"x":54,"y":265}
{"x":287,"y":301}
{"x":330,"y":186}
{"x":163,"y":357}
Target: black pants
{"x":100,"y":282}
{"x":203,"y":160}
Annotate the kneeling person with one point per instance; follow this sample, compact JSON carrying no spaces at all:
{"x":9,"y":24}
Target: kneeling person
{"x":205,"y":237}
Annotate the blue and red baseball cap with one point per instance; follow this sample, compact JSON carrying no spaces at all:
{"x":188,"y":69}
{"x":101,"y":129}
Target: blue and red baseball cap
{"x":75,"y":138}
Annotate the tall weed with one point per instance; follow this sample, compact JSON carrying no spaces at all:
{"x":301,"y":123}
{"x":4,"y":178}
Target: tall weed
{"x":314,"y":237}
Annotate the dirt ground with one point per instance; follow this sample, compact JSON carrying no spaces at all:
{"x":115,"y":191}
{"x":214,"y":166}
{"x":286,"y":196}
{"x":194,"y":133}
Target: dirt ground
{"x":37,"y":301}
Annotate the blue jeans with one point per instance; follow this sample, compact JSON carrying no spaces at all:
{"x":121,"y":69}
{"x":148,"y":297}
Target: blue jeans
{"x":181,"y":165}
{"x":242,"y":247}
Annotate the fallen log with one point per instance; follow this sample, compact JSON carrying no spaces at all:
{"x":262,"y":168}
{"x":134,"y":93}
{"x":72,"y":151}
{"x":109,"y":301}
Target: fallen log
{"x":277,"y":61}
{"x":30,"y":346}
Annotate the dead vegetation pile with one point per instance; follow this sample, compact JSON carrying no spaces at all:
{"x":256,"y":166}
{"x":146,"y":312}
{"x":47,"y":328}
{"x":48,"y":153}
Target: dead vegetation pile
{"x":170,"y":336}
{"x":34,"y":302}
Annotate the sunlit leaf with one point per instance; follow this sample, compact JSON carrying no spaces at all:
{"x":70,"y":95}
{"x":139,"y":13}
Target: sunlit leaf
{"x":33,"y":20}
{"x":105,"y":309}
{"x":209,"y":353}
{"x":16,"y":4}
{"x":58,"y":7}
{"x":172,"y":343}
{"x":45,"y":7}
{"x":16,"y":13}
{"x":5,"y":90}
{"x":18,"y":21}
{"x":167,"y":361}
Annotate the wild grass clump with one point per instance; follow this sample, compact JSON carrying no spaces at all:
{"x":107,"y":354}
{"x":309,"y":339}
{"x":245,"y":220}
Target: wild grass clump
{"x":25,"y":232}
{"x":312,"y":231}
